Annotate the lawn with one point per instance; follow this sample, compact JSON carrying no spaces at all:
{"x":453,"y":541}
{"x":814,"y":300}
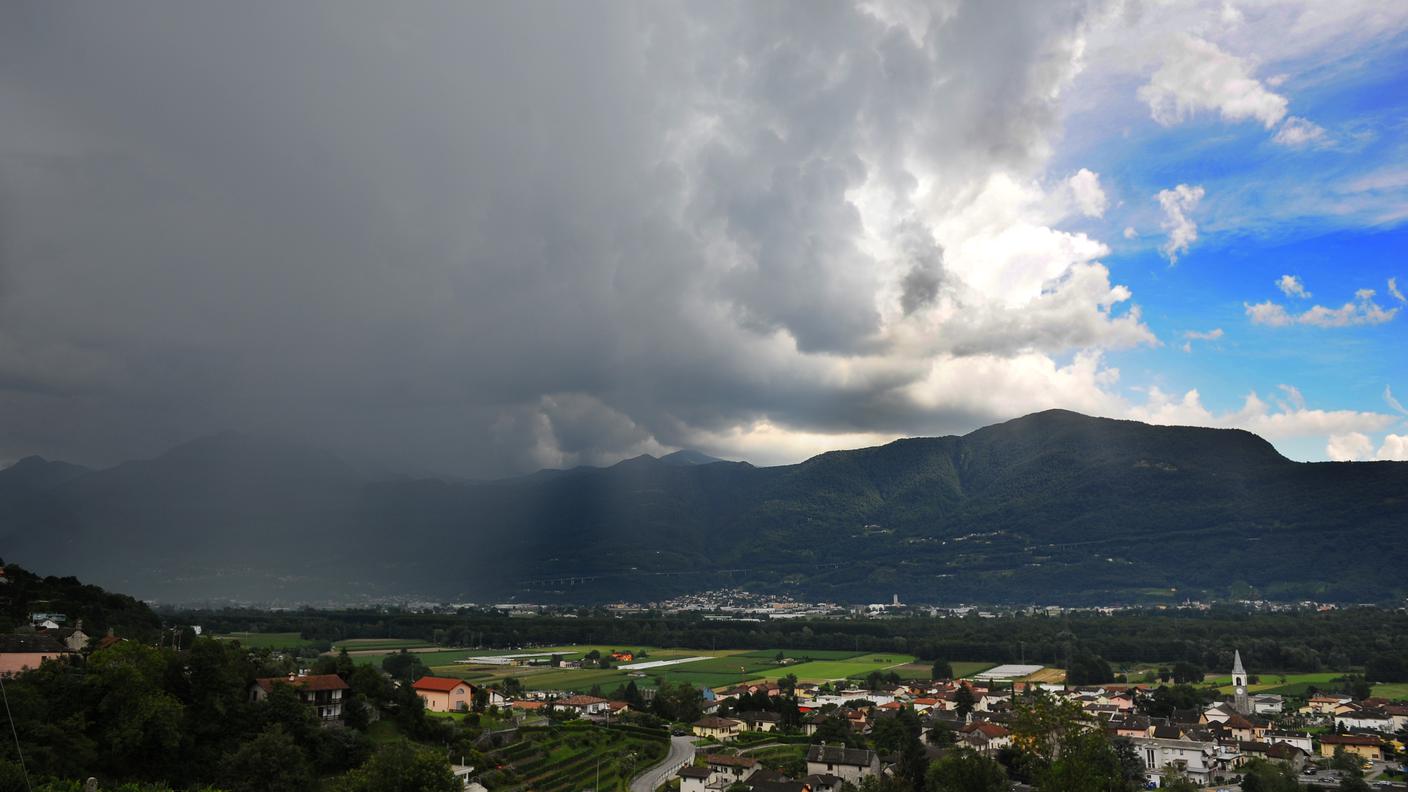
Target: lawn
{"x":290,"y":640}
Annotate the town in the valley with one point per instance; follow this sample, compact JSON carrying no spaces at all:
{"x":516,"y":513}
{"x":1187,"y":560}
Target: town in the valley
{"x":571,"y":716}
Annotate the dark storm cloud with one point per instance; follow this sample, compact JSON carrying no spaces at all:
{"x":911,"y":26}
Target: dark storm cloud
{"x":483,"y":238}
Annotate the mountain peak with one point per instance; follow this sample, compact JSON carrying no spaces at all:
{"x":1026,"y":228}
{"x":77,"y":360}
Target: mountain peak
{"x":35,"y":470}
{"x":688,"y":456}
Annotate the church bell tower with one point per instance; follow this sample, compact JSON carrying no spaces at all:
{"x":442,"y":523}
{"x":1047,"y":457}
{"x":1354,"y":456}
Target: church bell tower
{"x":1239,"y":682}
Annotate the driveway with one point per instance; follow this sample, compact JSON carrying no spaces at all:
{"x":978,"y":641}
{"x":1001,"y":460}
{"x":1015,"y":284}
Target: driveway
{"x":681,"y":754}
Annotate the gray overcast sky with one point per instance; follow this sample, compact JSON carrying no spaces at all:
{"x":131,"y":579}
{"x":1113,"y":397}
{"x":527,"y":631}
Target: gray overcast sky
{"x":483,"y":238}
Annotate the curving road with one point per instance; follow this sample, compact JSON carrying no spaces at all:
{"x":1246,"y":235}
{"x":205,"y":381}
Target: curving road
{"x":681,"y":754}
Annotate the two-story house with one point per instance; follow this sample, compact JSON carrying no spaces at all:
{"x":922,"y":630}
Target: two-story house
{"x":323,"y":692}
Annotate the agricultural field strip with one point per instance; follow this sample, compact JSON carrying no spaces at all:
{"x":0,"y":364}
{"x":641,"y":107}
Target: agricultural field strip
{"x":661,"y":663}
{"x":827,"y":670}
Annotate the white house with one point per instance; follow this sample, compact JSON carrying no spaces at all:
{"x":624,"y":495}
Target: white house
{"x":1203,"y":763}
{"x":849,"y":764}
{"x":1366,"y":720}
{"x":694,"y":779}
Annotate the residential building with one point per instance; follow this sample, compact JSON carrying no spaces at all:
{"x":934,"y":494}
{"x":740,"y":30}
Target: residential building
{"x":444,"y":694}
{"x":1364,"y":746}
{"x":584,"y":705}
{"x":760,"y":721}
{"x":849,"y":764}
{"x":323,"y":692}
{"x":23,"y":652}
{"x":1364,"y":719}
{"x":1302,"y":741}
{"x":694,"y":779}
{"x":1204,"y":763}
{"x":716,"y":728}
{"x":725,"y":769}
{"x":985,"y":737}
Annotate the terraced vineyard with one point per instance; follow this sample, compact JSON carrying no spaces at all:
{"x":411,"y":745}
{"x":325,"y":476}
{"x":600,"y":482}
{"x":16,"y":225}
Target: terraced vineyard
{"x":568,"y":757}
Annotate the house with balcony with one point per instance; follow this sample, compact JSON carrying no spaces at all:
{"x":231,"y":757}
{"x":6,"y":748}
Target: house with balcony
{"x":325,"y":693}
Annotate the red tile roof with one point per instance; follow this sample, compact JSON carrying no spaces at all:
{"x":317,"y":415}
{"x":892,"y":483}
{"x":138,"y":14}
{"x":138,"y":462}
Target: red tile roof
{"x":581,"y":701}
{"x":438,"y":684}
{"x":313,"y":682}
{"x":989,"y":730}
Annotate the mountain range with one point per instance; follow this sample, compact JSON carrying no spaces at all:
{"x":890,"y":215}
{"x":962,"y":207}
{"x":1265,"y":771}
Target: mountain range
{"x":1054,"y":507}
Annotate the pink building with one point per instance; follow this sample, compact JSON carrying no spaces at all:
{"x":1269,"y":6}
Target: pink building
{"x":23,"y":652}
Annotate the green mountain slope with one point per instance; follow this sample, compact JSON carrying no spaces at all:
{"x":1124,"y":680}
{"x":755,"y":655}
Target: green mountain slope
{"x":1052,"y":507}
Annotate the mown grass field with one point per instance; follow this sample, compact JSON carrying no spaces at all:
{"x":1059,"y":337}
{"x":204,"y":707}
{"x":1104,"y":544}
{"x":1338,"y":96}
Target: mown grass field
{"x":267,"y":640}
{"x":1397,"y":690}
{"x":857,"y":666}
{"x":365,"y":644}
{"x":966,"y":668}
{"x":1294,"y":684}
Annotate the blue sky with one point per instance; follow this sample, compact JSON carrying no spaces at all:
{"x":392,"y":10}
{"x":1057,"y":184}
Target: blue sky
{"x":1268,"y":210}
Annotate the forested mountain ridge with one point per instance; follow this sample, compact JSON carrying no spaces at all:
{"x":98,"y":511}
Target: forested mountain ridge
{"x":1052,"y":507}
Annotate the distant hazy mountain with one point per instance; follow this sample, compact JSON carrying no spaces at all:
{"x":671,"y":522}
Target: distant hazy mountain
{"x":689,"y":457}
{"x":1053,"y":507}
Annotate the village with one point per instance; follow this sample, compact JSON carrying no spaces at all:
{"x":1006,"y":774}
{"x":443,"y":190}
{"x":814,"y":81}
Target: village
{"x":787,"y":720}
{"x":1321,"y":739}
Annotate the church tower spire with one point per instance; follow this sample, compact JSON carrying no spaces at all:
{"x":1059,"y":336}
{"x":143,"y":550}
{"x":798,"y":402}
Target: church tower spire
{"x":1242,"y":703}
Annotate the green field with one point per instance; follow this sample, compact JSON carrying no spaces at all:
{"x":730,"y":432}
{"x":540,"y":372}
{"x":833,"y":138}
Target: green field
{"x":1294,"y":684}
{"x":826,"y":670}
{"x":1397,"y":690}
{"x":800,"y":654}
{"x":719,"y":669}
{"x":289,"y":640}
{"x":963,"y":669}
{"x":359,"y":644}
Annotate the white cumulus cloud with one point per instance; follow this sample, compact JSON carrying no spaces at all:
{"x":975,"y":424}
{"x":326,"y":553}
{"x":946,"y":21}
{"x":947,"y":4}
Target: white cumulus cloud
{"x":1177,"y":203}
{"x":1089,"y":197}
{"x":1286,"y":419}
{"x":1394,"y":449}
{"x":1197,"y":75}
{"x":1393,"y":289}
{"x":1298,"y":132}
{"x":1362,"y":310}
{"x":1291,"y":286}
{"x":1349,"y":447}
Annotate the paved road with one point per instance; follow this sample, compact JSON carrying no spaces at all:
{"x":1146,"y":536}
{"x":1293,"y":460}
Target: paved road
{"x":681,"y":753}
